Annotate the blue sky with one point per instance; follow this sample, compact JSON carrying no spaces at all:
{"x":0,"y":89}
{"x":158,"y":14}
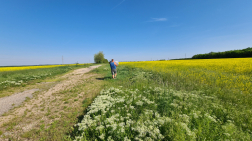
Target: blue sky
{"x":36,"y":32}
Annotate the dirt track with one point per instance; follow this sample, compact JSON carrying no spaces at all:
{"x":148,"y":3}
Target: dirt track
{"x":70,"y":80}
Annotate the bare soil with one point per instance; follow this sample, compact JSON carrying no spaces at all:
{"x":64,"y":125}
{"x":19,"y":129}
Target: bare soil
{"x":9,"y":102}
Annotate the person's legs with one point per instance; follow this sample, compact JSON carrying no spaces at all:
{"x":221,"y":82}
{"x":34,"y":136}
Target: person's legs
{"x":115,"y":73}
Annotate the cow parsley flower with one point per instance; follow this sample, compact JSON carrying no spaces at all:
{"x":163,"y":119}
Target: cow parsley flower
{"x":102,"y":136}
{"x":110,"y":138}
{"x":126,"y":139}
{"x":210,"y":117}
{"x":139,"y":103}
{"x":100,"y":128}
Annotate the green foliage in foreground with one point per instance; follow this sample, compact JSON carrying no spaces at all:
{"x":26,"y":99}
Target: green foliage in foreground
{"x":22,"y":77}
{"x":247,"y":52}
{"x":140,"y":105}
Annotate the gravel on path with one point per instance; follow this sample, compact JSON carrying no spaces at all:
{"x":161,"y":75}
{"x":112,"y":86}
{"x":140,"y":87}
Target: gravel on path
{"x":7,"y":103}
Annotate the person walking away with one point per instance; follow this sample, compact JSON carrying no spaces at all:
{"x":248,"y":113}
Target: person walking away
{"x":113,"y":66}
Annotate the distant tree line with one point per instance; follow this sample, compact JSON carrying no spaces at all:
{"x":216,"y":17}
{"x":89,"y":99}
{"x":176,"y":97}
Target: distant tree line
{"x":247,"y":52}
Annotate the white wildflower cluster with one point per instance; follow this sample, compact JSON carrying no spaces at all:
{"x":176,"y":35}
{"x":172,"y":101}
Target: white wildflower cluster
{"x":196,"y":114}
{"x":190,"y":101}
{"x":139,"y":103}
{"x":179,"y":95}
{"x":148,"y":126}
{"x":217,"y":106}
{"x":132,"y":114}
{"x":188,"y":131}
{"x":147,"y":100}
{"x":24,"y":79}
{"x":114,"y":110}
{"x":132,"y":92}
{"x":158,"y":90}
{"x":126,"y":139}
{"x":110,"y":91}
{"x":146,"y":91}
{"x":86,"y":122}
{"x":11,"y":83}
{"x":101,"y":103}
{"x":229,"y":128}
{"x":211,"y":118}
{"x":162,"y":120}
{"x":175,"y":105}
{"x":184,"y":118}
{"x":140,"y":75}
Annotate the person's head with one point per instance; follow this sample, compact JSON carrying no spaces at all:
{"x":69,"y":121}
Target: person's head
{"x":112,"y":60}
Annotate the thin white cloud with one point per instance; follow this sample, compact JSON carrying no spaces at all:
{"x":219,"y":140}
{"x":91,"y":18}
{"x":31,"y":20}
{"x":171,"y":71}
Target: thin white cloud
{"x":118,"y":5}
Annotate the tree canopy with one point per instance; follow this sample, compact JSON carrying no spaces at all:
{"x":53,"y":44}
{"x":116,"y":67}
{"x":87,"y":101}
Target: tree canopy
{"x":99,"y":58}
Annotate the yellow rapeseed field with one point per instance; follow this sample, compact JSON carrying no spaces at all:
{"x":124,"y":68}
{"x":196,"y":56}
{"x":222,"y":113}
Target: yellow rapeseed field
{"x":2,"y":69}
{"x":232,"y":73}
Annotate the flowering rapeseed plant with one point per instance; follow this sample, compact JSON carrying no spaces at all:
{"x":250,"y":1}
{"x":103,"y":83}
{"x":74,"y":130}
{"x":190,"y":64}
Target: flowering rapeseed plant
{"x":3,"y":69}
{"x":233,"y":74}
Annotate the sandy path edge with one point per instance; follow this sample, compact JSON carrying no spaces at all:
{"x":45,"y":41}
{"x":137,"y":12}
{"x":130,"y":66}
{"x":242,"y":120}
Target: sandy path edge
{"x":9,"y":102}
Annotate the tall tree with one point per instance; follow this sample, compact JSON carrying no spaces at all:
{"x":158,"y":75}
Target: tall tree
{"x":99,"y":57}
